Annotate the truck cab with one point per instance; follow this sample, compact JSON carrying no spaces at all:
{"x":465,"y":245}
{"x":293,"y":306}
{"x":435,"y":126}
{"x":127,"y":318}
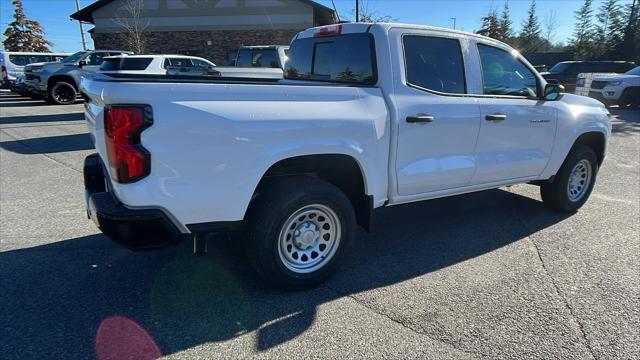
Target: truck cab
{"x":367,"y":115}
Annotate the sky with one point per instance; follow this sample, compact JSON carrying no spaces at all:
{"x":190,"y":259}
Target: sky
{"x":53,"y":15}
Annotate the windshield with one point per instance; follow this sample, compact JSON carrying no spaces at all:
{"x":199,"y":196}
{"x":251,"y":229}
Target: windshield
{"x":74,"y":58}
{"x":634,"y":71}
{"x":559,"y":67}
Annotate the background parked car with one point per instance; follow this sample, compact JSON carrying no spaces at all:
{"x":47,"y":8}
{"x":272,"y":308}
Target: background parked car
{"x":12,"y":63}
{"x":566,"y":72}
{"x":181,"y":65}
{"x":58,"y":82}
{"x":271,"y":56}
{"x":611,"y":89}
{"x":150,"y":64}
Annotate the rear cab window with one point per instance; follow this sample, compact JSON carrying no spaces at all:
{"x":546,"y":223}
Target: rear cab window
{"x":347,"y":58}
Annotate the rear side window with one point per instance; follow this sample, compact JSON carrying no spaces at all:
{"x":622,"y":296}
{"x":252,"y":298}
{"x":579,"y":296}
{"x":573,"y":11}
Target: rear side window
{"x":504,"y":74}
{"x":345,"y":58}
{"x":434,"y":63}
{"x":258,"y":58}
{"x":20,"y":60}
{"x":178,"y":62}
{"x":125,"y":64}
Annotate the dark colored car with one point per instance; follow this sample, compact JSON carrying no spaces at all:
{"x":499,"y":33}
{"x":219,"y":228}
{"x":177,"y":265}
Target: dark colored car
{"x":566,"y":72}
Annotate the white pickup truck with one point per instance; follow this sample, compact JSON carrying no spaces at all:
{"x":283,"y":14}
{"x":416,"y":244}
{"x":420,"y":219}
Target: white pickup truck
{"x":367,"y":115}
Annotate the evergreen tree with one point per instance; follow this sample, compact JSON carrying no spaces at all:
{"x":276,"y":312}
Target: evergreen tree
{"x":24,"y":34}
{"x":609,"y":29}
{"x":530,"y":33}
{"x":505,"y":23}
{"x":582,"y":42}
{"x":490,"y":26}
{"x":629,"y":48}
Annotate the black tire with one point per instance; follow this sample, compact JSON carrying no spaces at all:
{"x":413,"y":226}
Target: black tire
{"x":630,"y":98}
{"x":278,"y":201}
{"x":61,"y":93}
{"x":556,"y":195}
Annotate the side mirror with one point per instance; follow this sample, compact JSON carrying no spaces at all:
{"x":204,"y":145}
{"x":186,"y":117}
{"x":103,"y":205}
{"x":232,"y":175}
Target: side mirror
{"x":81,"y":63}
{"x":553,"y":92}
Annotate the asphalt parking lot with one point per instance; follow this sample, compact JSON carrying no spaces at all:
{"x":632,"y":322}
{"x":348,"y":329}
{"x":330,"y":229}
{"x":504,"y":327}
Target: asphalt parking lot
{"x":486,"y":275}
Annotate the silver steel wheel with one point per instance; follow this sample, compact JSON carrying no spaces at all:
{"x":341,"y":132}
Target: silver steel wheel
{"x":309,"y":239}
{"x":579,"y":180}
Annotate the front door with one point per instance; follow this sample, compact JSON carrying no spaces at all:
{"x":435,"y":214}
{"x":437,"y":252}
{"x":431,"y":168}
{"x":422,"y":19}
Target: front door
{"x":517,"y":129}
{"x":437,"y":124}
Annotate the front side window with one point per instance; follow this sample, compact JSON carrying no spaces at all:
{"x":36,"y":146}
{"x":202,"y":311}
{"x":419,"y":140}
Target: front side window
{"x":201,"y":63}
{"x":345,"y":58}
{"x":95,"y":58}
{"x":434,"y":63}
{"x":504,"y":74}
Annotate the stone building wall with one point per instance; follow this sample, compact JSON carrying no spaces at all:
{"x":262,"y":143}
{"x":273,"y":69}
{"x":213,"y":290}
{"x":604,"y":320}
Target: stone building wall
{"x":196,"y":42}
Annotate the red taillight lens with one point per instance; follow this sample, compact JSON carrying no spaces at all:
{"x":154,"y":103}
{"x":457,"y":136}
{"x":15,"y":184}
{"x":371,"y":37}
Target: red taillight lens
{"x":329,"y":30}
{"x":4,"y":73}
{"x":128,"y":160}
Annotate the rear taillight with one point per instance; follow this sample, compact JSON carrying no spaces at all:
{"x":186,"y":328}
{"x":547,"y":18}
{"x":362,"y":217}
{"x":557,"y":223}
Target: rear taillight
{"x":129,"y":161}
{"x":5,"y":76}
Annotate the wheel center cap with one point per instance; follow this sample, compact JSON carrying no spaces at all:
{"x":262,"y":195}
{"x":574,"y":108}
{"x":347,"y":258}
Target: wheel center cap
{"x":306,"y":236}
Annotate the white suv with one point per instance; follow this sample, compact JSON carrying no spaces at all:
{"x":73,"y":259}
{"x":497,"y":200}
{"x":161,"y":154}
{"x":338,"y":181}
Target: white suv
{"x":623,"y":90}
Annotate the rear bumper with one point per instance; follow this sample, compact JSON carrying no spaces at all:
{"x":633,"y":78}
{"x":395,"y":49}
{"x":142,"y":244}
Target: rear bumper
{"x":136,"y":229}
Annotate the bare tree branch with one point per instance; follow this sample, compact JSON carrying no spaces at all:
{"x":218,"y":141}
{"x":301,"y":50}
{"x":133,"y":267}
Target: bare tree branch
{"x":134,"y":25}
{"x":551,"y":23}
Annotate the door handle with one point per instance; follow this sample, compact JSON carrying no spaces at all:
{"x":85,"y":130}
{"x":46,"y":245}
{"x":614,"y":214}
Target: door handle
{"x":420,"y":118}
{"x":495,"y":117}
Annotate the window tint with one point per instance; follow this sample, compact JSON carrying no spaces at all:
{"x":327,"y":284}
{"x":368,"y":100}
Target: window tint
{"x":345,"y":58}
{"x":258,"y":58}
{"x":94,"y":58}
{"x":125,"y":64}
{"x":198,"y":62}
{"x":434,"y":63}
{"x":20,"y":60}
{"x":505,"y":74}
{"x":178,"y":62}
{"x":560,"y":68}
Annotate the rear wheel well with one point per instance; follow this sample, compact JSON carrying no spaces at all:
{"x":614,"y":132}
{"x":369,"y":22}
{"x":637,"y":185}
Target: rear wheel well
{"x":594,"y":140}
{"x":340,"y":170}
{"x":54,"y":79}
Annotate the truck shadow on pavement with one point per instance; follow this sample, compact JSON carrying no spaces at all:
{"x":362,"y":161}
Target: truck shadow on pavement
{"x":41,"y":118}
{"x":76,"y":297}
{"x":49,"y":144}
{"x":625,"y":122}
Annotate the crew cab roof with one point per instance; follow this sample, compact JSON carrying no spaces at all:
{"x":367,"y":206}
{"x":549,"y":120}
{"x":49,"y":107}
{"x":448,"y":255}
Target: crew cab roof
{"x":350,"y":28}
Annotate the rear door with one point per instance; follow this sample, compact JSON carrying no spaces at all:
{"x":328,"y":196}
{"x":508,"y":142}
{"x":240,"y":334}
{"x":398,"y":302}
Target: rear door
{"x":438,"y":123}
{"x":517,"y":128}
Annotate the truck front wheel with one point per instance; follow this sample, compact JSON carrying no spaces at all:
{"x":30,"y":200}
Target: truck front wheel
{"x":573,"y":183}
{"x":298,"y":229}
{"x":61,"y":93}
{"x":630,"y":98}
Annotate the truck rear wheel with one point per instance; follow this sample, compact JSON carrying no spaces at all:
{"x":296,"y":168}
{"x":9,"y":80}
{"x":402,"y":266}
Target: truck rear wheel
{"x":298,"y":229}
{"x":574,"y":181}
{"x":61,"y":93}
